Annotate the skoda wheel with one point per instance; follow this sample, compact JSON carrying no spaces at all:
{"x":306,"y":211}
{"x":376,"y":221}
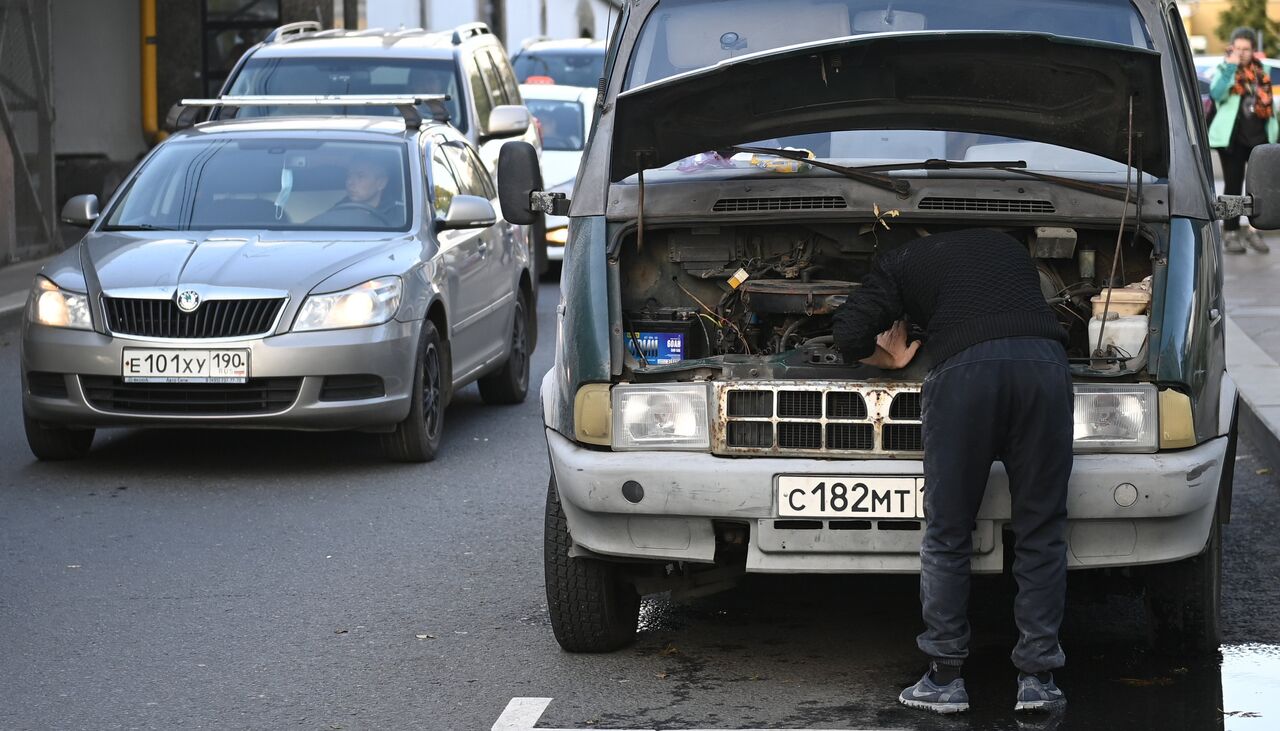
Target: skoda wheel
{"x":510,"y":385}
{"x":417,"y":438}
{"x":52,"y":443}
{"x":592,"y":607}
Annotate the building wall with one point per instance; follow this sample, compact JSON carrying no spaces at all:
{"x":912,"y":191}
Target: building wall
{"x":96,"y":83}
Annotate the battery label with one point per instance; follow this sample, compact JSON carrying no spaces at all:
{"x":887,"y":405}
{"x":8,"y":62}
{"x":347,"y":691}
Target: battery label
{"x":657,"y":348}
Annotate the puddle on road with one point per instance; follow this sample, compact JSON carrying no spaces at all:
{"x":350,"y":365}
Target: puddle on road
{"x":1250,"y":676}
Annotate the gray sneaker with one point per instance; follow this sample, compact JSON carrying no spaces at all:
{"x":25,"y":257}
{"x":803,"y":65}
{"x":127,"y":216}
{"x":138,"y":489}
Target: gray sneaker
{"x":1231,"y":241}
{"x":1254,"y":240}
{"x":1036,"y":696}
{"x":949,"y":698}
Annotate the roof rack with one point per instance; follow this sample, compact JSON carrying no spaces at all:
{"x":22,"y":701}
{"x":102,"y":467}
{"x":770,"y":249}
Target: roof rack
{"x":469,"y":30}
{"x":290,"y":30}
{"x":409,"y":105}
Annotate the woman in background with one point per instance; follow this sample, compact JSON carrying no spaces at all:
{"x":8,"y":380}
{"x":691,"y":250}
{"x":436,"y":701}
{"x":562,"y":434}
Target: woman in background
{"x":1245,"y":118}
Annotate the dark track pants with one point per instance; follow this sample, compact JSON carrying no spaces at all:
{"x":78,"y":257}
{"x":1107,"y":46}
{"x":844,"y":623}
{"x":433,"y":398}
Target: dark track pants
{"x":1009,"y":399}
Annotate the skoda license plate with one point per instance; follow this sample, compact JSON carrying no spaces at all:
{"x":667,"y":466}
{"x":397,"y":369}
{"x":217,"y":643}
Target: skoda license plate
{"x":839,"y":496}
{"x":184,"y":366}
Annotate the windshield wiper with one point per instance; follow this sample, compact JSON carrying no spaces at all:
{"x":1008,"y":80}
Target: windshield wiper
{"x":862,"y":175}
{"x":140,"y":227}
{"x":1115,"y":192}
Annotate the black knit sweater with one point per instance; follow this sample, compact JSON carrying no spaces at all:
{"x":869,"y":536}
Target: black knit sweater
{"x":963,"y":288}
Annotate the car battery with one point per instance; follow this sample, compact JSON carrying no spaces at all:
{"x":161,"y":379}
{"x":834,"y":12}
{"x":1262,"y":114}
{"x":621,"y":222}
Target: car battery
{"x":664,"y":341}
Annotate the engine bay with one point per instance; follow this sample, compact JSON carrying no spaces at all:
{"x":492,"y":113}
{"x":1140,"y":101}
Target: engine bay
{"x":744,"y":294}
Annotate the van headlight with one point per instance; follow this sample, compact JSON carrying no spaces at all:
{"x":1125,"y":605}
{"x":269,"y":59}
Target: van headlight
{"x":661,"y":416}
{"x":56,"y":307}
{"x":1116,"y":418}
{"x":371,"y":303}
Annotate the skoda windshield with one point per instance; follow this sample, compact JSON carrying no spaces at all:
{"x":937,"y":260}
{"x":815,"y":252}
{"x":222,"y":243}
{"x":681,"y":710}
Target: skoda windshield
{"x":268,"y":183}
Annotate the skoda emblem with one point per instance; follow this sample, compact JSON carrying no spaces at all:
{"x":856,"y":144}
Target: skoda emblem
{"x":188,"y":300}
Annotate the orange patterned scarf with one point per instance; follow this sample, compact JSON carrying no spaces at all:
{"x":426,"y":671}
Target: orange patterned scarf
{"x":1253,"y":80}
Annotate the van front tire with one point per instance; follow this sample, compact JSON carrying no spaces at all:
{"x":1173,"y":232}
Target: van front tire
{"x":592,"y":607}
{"x":1184,"y":600}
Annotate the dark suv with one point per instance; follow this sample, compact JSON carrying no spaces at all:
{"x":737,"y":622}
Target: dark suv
{"x":468,"y":63}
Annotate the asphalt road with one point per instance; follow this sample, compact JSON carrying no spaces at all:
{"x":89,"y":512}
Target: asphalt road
{"x":204,"y":579}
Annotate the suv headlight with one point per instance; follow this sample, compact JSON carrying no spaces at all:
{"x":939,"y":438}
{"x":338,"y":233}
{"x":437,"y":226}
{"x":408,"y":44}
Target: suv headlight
{"x":371,"y":303}
{"x":56,"y":307}
{"x":665,"y":416}
{"x":1116,"y":418}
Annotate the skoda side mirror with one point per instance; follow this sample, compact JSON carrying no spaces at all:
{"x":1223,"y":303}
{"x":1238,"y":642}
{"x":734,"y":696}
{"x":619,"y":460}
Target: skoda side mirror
{"x":469,"y":211}
{"x":81,"y":210}
{"x":1262,"y":184}
{"x":509,"y":120}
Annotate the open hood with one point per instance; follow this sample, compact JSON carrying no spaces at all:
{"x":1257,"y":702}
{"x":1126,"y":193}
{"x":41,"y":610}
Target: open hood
{"x":1063,"y":91}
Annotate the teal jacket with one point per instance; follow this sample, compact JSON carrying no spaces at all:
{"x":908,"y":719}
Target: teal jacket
{"x":1224,"y":120}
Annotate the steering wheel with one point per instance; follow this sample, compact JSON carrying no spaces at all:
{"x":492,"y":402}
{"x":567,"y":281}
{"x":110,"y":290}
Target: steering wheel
{"x":363,"y":208}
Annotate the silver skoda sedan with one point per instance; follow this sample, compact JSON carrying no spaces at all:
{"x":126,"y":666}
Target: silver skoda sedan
{"x":300,"y":273}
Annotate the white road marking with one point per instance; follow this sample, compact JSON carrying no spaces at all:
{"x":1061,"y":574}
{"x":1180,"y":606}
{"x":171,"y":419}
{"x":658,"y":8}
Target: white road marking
{"x":522,"y":714}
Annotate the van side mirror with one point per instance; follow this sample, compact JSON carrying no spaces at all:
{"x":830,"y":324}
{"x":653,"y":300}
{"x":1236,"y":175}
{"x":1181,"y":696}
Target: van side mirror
{"x":519,"y":177}
{"x":469,"y":211}
{"x":509,"y":120}
{"x":81,"y":210}
{"x":1262,"y":184}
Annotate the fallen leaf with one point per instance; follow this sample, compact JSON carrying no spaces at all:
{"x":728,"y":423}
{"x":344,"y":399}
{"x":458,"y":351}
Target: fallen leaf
{"x":669,"y":650}
{"x":339,"y":631}
{"x":660,"y":676}
{"x":425,"y":636}
{"x":1263,"y":470}
{"x":1145,"y":682}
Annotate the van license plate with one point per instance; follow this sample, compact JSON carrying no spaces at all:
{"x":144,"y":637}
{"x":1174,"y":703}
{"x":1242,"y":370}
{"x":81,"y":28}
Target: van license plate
{"x":835,"y":496}
{"x":184,"y":366}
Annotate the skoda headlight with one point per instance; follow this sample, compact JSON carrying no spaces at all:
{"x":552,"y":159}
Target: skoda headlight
{"x":56,"y":307}
{"x":371,"y":303}
{"x":667,"y":416}
{"x":1116,"y":418}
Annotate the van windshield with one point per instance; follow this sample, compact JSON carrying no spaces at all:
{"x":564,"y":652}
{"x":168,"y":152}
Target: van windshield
{"x":330,"y":76}
{"x":685,"y":35}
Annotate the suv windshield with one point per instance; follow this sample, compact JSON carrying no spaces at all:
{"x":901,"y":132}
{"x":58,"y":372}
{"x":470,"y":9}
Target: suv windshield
{"x":686,"y":35}
{"x":568,"y":68}
{"x":268,"y":183}
{"x":321,"y":76}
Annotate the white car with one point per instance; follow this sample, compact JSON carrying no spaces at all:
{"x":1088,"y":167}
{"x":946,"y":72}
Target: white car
{"x":564,"y":117}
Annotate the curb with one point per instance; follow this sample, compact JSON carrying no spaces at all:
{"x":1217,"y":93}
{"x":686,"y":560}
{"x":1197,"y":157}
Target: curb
{"x":1257,"y":378}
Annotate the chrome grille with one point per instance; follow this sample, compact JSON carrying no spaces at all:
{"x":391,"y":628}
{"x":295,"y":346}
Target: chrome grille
{"x":835,"y":418}
{"x":154,"y":318}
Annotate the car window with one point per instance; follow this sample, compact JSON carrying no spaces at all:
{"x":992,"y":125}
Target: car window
{"x":685,"y":35}
{"x":443,"y":183}
{"x":560,"y":122}
{"x":267,"y":76}
{"x":268,"y":183}
{"x":470,"y":180}
{"x":567,"y":68}
{"x":491,"y":81}
{"x":480,"y":172}
{"x":484,"y":102}
{"x":507,"y":76}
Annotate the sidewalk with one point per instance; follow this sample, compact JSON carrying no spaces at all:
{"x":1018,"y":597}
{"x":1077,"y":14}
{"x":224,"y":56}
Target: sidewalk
{"x":1253,"y":344}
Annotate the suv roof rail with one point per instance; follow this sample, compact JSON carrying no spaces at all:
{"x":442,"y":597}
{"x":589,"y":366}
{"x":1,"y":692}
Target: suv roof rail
{"x":469,"y":30}
{"x":290,"y":30}
{"x":409,"y":105}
